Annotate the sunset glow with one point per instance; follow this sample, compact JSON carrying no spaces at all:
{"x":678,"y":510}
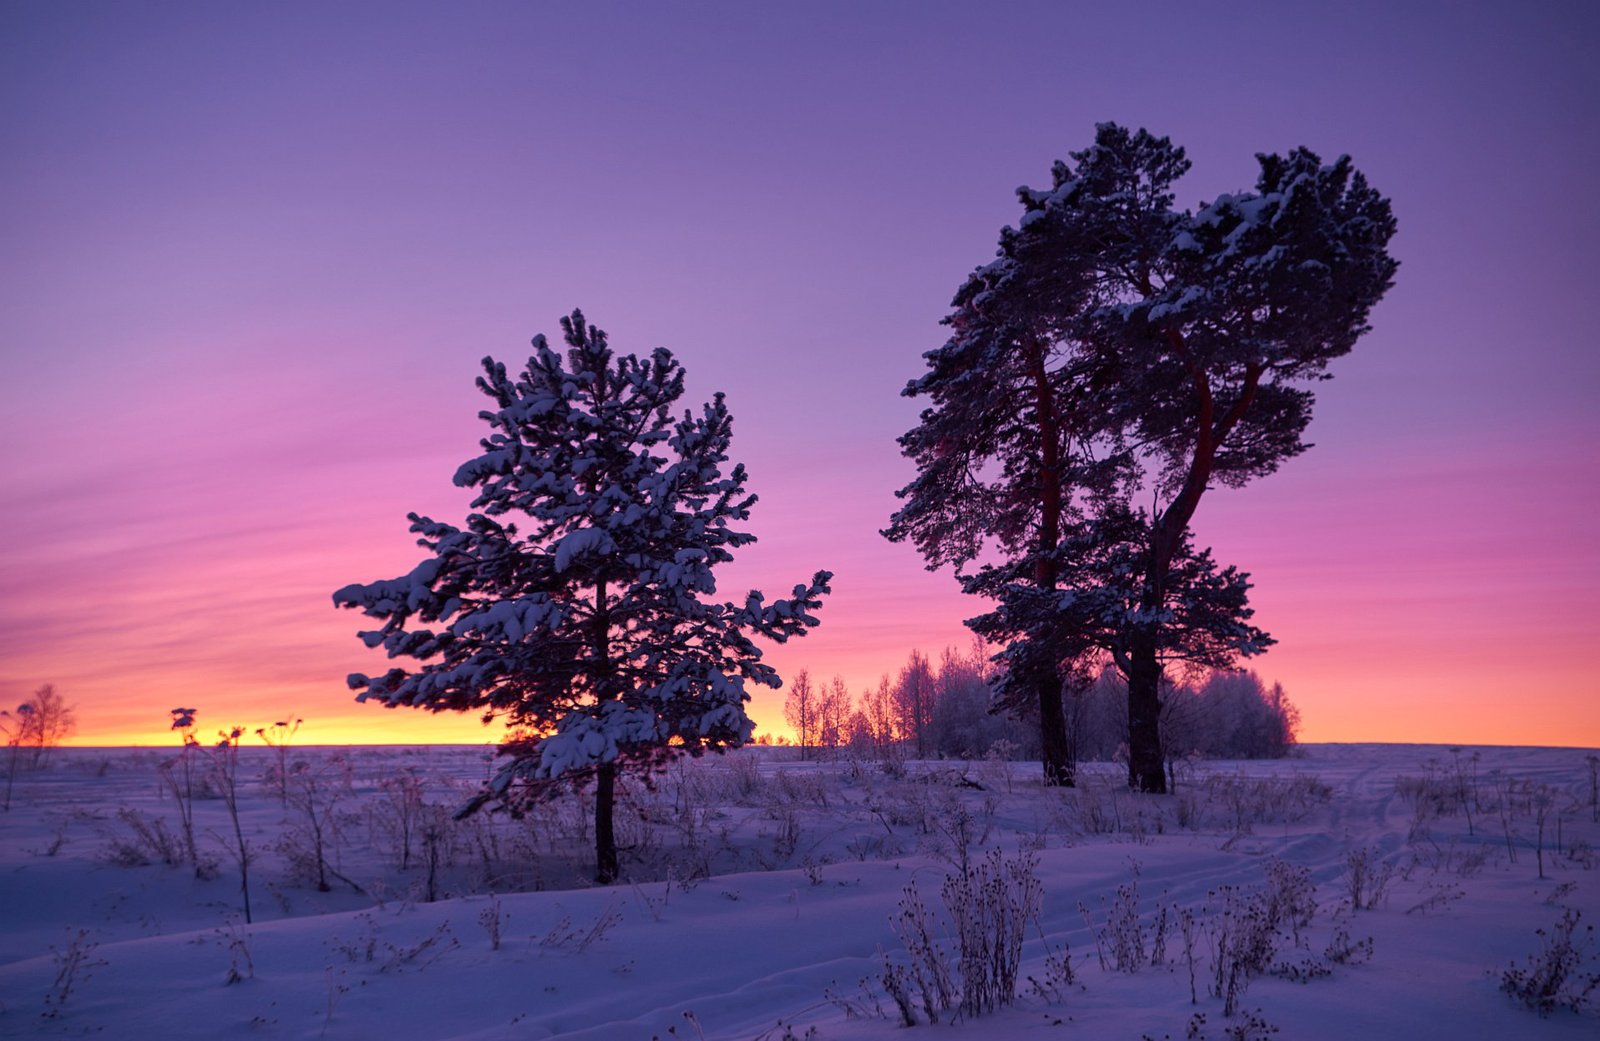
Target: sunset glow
{"x":251,"y":258}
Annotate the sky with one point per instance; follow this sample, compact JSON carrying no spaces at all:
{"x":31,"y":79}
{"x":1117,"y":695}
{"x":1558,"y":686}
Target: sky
{"x":251,"y":256}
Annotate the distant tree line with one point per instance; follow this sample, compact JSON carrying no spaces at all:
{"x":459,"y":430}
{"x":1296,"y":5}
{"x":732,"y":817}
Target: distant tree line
{"x":1226,"y":715}
{"x":948,"y":710}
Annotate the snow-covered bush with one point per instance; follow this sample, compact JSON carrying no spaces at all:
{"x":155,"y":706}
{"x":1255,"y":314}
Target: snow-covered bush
{"x":396,"y":815}
{"x":928,"y":979}
{"x":1434,"y":794}
{"x":146,"y":840}
{"x":1366,"y":878}
{"x":1123,"y":938}
{"x":314,"y":790}
{"x":989,"y":904}
{"x":1243,"y":802}
{"x":1291,"y":897}
{"x":1561,"y":973}
{"x":1243,"y":939}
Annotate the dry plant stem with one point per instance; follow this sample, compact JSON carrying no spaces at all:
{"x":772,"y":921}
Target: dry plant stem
{"x":989,"y":906}
{"x":435,"y":835}
{"x":491,"y":920}
{"x":1186,"y":928}
{"x":1561,"y":974}
{"x":13,"y":727}
{"x":1366,"y":878}
{"x":336,"y":990}
{"x":1593,"y":762}
{"x":278,"y":737}
{"x":398,"y":813}
{"x":1465,"y":792}
{"x":73,"y":966}
{"x":316,"y":794}
{"x":241,"y":966}
{"x":182,"y":769}
{"x":1505,"y":818}
{"x":224,"y":762}
{"x":1543,"y":800}
{"x":928,"y":965}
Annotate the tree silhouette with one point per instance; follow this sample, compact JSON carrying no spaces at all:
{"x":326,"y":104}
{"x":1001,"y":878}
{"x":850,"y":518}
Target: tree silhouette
{"x":593,"y":631}
{"x":1120,"y":350}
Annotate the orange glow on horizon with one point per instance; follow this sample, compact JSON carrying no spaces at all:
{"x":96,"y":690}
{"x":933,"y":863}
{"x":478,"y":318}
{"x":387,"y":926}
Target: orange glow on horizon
{"x":1373,"y":645}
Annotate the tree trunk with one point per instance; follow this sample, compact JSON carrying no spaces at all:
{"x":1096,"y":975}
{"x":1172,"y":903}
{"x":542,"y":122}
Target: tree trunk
{"x":1060,"y":766}
{"x":11,"y":777}
{"x":605,"y":838}
{"x":605,"y":792}
{"x":1146,"y":764}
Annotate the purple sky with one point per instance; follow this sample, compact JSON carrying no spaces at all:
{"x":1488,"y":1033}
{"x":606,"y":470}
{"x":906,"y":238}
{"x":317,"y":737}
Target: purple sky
{"x":251,"y":255}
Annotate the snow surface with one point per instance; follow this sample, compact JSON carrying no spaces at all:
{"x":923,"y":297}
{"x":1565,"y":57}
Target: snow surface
{"x":760,"y":890}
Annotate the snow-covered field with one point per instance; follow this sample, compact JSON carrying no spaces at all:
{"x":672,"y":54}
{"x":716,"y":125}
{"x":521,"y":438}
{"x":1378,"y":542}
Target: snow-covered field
{"x":765,"y":896}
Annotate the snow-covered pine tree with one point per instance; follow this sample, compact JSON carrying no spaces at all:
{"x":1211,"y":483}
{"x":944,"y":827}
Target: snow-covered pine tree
{"x":1006,"y":460}
{"x":1119,"y":347}
{"x":593,"y":630}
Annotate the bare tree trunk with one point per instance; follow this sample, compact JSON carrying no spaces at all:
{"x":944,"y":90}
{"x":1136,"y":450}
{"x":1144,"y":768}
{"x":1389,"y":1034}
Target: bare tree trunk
{"x":1059,"y":768}
{"x":1146,"y":764}
{"x":605,"y":839}
{"x":11,"y":775}
{"x":606,"y":868}
{"x":1060,"y":765}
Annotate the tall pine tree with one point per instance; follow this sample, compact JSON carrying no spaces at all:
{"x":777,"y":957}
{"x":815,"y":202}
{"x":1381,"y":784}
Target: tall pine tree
{"x":593,"y":630}
{"x":1137,"y":351}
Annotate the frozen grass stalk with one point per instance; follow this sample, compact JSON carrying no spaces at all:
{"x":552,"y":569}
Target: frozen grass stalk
{"x":224,"y":763}
{"x":179,"y":775}
{"x":491,"y":919}
{"x":1366,"y":878}
{"x":1593,"y":763}
{"x":315,"y":792}
{"x":990,"y":905}
{"x":16,"y":729}
{"x":277,"y":737}
{"x":74,"y":964}
{"x":241,"y":966}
